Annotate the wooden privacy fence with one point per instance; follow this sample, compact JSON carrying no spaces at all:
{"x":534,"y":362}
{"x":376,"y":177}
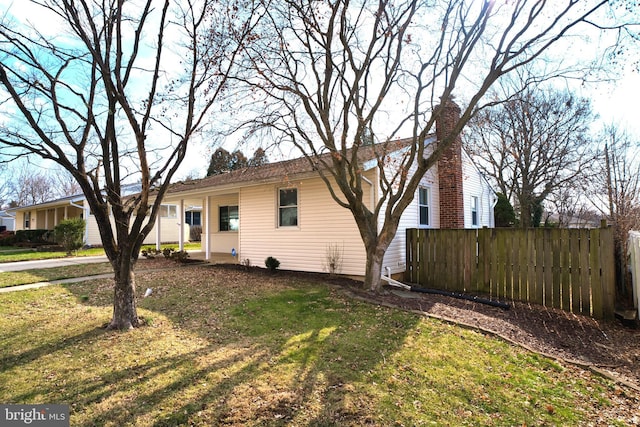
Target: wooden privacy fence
{"x":569,"y":269}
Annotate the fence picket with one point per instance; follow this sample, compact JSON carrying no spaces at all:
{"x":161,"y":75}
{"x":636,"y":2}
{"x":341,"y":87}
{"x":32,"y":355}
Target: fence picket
{"x":565,"y":273}
{"x":574,"y":244}
{"x":571,"y":269}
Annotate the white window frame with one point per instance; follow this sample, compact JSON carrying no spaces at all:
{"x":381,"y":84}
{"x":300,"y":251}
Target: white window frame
{"x":189,"y":216}
{"x":475,"y":218}
{"x":288,"y":207}
{"x":233,"y":225}
{"x":427,"y":205}
{"x":168,"y":211}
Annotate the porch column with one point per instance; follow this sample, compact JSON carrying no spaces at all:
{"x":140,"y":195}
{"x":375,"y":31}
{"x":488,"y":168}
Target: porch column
{"x":66,"y":213}
{"x":158,"y":234}
{"x":86,"y":215}
{"x":55,"y":216}
{"x":207,"y":246}
{"x":46,"y":219}
{"x":181,"y":226}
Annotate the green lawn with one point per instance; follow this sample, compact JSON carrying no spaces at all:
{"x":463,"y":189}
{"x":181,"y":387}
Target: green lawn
{"x":13,"y":278}
{"x":13,"y":253}
{"x":224,"y":347}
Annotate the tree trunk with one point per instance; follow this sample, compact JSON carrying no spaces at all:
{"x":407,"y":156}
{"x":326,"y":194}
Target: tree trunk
{"x":372,"y":279}
{"x":125,"y":313}
{"x":525,"y":214}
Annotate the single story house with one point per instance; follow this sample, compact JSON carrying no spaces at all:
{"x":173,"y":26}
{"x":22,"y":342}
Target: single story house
{"x":284,"y":210}
{"x":47,"y":215}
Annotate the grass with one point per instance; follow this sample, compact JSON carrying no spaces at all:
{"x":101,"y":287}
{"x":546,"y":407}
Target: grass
{"x":14,"y":278}
{"x":236,"y":348}
{"x":13,"y":253}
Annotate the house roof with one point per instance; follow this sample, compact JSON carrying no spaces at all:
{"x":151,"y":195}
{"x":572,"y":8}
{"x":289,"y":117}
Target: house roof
{"x":278,"y":170}
{"x":61,"y":201}
{"x":128,"y":189}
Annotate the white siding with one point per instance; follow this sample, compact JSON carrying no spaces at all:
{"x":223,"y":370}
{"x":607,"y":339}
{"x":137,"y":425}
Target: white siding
{"x":169,"y":231}
{"x":474,"y":184}
{"x":321,"y":223}
{"x":222,"y":241}
{"x":395,"y":256}
{"x":8,"y":221}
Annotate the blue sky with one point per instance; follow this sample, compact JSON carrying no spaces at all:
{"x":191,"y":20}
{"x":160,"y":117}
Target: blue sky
{"x":615,"y":102}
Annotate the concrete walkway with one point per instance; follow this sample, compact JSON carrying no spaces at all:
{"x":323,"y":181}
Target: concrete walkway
{"x":50,"y":263}
{"x":53,"y":282}
{"x":57,"y":262}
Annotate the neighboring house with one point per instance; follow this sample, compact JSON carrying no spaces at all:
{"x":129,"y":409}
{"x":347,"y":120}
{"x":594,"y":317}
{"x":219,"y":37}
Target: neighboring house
{"x":49,"y":214}
{"x":285,"y":210}
{"x":7,"y":221}
{"x":586,"y":220}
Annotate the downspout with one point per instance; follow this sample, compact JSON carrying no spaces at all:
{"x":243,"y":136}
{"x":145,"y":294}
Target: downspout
{"x":458,"y":295}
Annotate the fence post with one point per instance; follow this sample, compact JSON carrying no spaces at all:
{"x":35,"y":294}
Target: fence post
{"x":608,"y":272}
{"x":634,"y":250}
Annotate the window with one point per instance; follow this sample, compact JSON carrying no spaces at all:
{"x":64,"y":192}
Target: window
{"x":229,"y":219}
{"x":193,"y":217}
{"x":27,"y":220}
{"x":424,"y":197}
{"x":474,"y":211}
{"x":168,"y":211}
{"x":288,"y":207}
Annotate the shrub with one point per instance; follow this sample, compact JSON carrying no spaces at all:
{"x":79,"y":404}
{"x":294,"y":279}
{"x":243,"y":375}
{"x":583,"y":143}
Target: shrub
{"x":149,"y":252}
{"x":272,"y":263}
{"x":180,"y":256}
{"x":7,"y":238}
{"x":33,"y":236}
{"x":334,"y":256}
{"x":70,"y":234}
{"x":168,"y":252}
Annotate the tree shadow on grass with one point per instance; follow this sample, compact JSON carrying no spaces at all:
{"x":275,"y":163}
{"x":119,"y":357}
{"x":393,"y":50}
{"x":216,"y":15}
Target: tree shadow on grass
{"x":292,"y":352}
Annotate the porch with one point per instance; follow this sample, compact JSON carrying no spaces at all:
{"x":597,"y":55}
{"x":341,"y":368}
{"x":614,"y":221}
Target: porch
{"x":214,"y":257}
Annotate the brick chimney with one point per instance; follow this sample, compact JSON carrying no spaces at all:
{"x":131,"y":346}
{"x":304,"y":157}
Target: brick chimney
{"x":450,"y":170}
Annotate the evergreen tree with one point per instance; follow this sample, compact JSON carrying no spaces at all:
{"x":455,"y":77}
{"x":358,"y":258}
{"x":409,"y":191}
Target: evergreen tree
{"x":503,"y":212}
{"x":220,"y":162}
{"x":259,"y":158}
{"x":238,"y":160}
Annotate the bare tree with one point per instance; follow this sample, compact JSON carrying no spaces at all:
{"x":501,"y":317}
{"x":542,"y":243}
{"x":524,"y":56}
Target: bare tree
{"x":5,"y":189}
{"x":533,"y":144}
{"x":64,"y":183}
{"x":335,"y":75}
{"x":115,"y":96}
{"x":615,"y":192}
{"x":29,"y":185}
